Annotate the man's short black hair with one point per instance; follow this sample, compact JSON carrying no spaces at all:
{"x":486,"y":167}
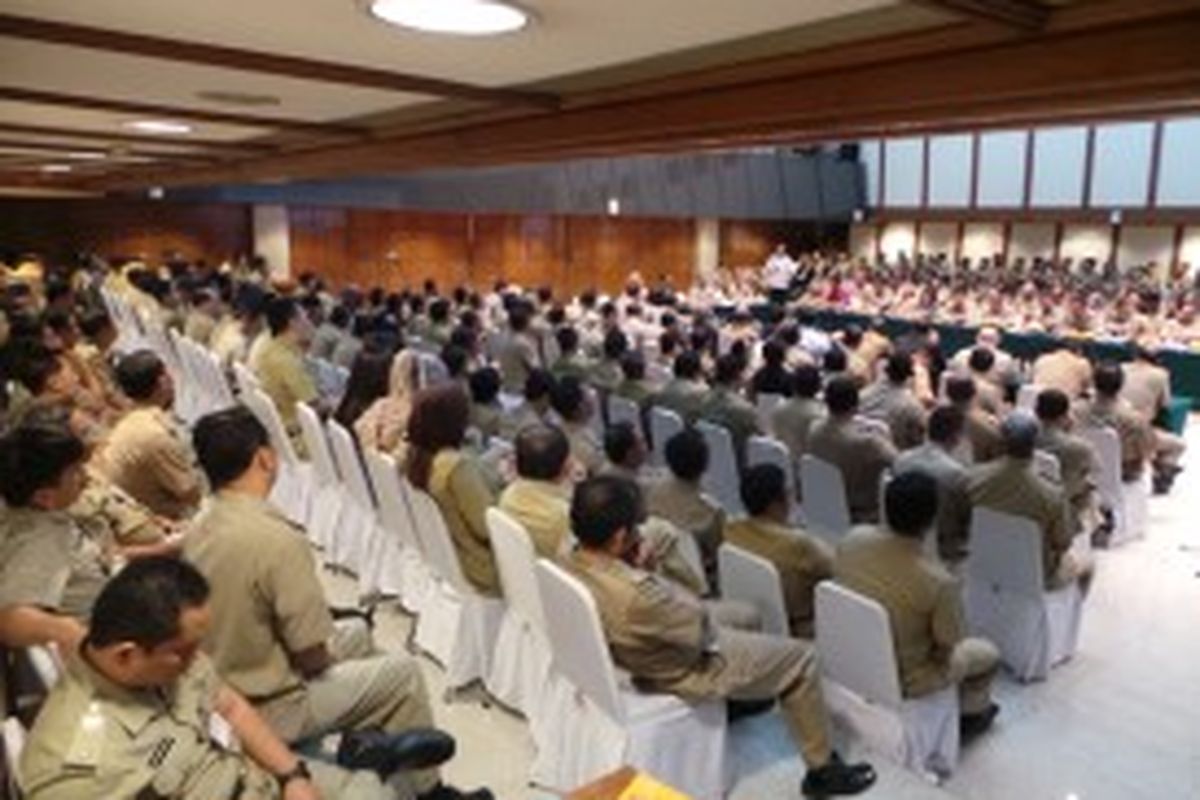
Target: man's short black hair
{"x":33,"y":456}
{"x":763,"y":485}
{"x":981,"y":360}
{"x":541,"y":450}
{"x":946,"y":425}
{"x":615,"y":344}
{"x":1052,"y":404}
{"x":138,"y":373}
{"x":32,"y":364}
{"x":93,"y":323}
{"x":602,"y":506}
{"x":143,"y":602}
{"x":633,"y":366}
{"x":619,"y":441}
{"x":688,"y":365}
{"x":225,"y":443}
{"x":568,"y":398}
{"x":568,"y":339}
{"x":1108,"y":379}
{"x":485,"y":385}
{"x":899,"y":367}
{"x":774,"y":352}
{"x":835,"y":360}
{"x":687,"y":454}
{"x":806,"y":381}
{"x":960,"y":388}
{"x":841,"y":396}
{"x":729,"y":369}
{"x":539,"y":385}
{"x":280,"y":313}
{"x":911,"y":503}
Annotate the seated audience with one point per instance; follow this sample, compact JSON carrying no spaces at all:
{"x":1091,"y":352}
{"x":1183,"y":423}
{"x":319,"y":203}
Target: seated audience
{"x":792,"y":420}
{"x":384,"y":423}
{"x":540,"y":497}
{"x":891,"y":401}
{"x":635,"y":386}
{"x":1108,"y":409}
{"x":860,"y":455}
{"x":487,"y":415}
{"x":983,"y":440}
{"x":280,"y":368}
{"x":606,"y":374}
{"x":678,"y":498}
{"x":535,"y":409}
{"x":936,"y":459}
{"x":1077,"y":460}
{"x":725,"y":405}
{"x":1147,"y":388}
{"x":625,"y":451}
{"x":990,"y":395}
{"x":571,"y":360}
{"x":685,"y":392}
{"x":772,"y":377}
{"x":575,"y":410}
{"x":1063,"y":368}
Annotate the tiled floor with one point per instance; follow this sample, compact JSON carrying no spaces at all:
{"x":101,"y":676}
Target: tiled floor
{"x":1119,"y":722}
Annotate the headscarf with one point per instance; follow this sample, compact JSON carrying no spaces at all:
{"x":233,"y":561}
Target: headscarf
{"x":382,"y":426}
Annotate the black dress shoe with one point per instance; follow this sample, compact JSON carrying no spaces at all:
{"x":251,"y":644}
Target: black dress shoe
{"x":388,"y":753}
{"x":970,"y":725}
{"x":837,"y":778}
{"x":444,"y":792}
{"x":740,"y":709}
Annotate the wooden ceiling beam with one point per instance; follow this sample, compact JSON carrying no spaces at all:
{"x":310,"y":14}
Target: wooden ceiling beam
{"x":210,"y":55}
{"x":58,"y":147}
{"x":1028,"y":15}
{"x":38,"y":97}
{"x":133,"y":138}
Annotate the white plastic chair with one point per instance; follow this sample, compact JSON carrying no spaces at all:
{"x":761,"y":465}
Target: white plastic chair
{"x":1034,"y":629}
{"x":826,"y":511}
{"x":721,"y":480}
{"x":1027,"y":396}
{"x":753,"y":579}
{"x":608,"y":726}
{"x":357,"y":526}
{"x":622,"y":409}
{"x":403,"y":572}
{"x":244,"y":379}
{"x":765,"y":404}
{"x":328,"y":494}
{"x":862,"y":685}
{"x":664,"y":423}
{"x":15,"y":737}
{"x":1128,"y":502}
{"x":767,"y":450}
{"x":292,"y":490}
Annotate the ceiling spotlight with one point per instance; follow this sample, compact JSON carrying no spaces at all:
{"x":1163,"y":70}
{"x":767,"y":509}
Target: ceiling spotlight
{"x":159,"y":126}
{"x":87,"y":155}
{"x":56,"y":168}
{"x":462,"y":17}
{"x":156,"y":193}
{"x":614,"y":206}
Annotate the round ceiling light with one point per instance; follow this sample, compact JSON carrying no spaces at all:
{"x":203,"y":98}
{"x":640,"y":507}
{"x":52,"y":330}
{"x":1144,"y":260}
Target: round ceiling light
{"x":56,"y":168}
{"x":160,"y":126}
{"x":463,"y":17}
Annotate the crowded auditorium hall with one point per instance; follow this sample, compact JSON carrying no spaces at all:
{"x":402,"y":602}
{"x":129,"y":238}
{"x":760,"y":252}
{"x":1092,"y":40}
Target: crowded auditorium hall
{"x":536,"y":399}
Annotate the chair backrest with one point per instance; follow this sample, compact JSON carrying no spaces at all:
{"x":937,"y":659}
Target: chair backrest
{"x":721,"y":479}
{"x":766,"y":403}
{"x":825,"y":506}
{"x":577,"y":642}
{"x":434,"y":537}
{"x":753,"y":579}
{"x":15,"y":736}
{"x":1027,"y":396}
{"x":264,"y":408}
{"x":1046,"y":465}
{"x":317,"y":445}
{"x":664,"y":423}
{"x":873,"y":426}
{"x":244,"y":378}
{"x":516,"y":560}
{"x":1108,"y":453}
{"x":854,"y":640}
{"x":389,"y":491}
{"x":622,"y":409}
{"x":689,"y":551}
{"x":349,"y":464}
{"x":766,"y":450}
{"x":1006,"y":553}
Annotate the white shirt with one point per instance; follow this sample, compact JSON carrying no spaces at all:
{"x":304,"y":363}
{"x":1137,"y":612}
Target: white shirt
{"x":779,"y":271}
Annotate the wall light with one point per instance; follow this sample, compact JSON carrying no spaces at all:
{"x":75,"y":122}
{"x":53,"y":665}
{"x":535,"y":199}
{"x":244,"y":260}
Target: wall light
{"x":614,"y":206}
{"x":159,"y":126}
{"x":1115,"y":217}
{"x":462,"y":17}
{"x":56,"y":168}
{"x":155,"y":193}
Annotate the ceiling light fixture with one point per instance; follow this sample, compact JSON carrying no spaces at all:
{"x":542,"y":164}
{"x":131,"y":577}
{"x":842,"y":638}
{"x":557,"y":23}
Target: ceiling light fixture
{"x":159,"y":126}
{"x":87,"y":155}
{"x":56,"y":168}
{"x":462,"y":17}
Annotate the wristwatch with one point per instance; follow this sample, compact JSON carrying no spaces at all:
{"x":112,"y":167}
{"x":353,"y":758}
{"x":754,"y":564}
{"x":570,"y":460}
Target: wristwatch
{"x":298,"y":772}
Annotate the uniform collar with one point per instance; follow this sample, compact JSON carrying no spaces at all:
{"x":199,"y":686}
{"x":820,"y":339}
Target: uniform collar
{"x":244,"y":502}
{"x":560,"y":490}
{"x":133,"y":708}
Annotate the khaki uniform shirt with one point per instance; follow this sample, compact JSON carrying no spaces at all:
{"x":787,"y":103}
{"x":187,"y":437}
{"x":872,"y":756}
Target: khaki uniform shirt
{"x":1147,"y":387}
{"x":1078,"y":467}
{"x":727,"y":408}
{"x":954,"y":502}
{"x":198,"y":327}
{"x":48,"y":561}
{"x":522,"y":416}
{"x":575,"y":365}
{"x":792,"y":421}
{"x":112,"y":517}
{"x":683,"y":397}
{"x":518,"y":354}
{"x":462,"y":494}
{"x":687,"y":508}
{"x":861,"y":456}
{"x":922,"y":601}
{"x":544,"y":508}
{"x":487,"y":419}
{"x":606,"y":375}
{"x":640,"y":392}
{"x":983,"y":437}
{"x":585,"y":446}
{"x":898,"y":408}
{"x":1063,"y":370}
{"x":1013,"y":487}
{"x":280,"y":369}
{"x":1135,"y":434}
{"x":95,"y":739}
{"x":802,"y":561}
{"x":147,"y":457}
{"x":267,"y":601}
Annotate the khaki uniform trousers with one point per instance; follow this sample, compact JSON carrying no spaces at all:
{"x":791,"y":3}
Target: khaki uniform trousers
{"x":736,"y":614}
{"x":755,"y":666}
{"x":335,"y":782}
{"x":973,"y":666}
{"x":1168,"y":448}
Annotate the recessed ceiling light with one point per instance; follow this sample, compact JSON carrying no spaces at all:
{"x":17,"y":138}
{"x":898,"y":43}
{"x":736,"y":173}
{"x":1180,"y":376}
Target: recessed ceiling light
{"x":56,"y":168}
{"x":463,"y":17}
{"x":87,"y":155}
{"x":162,"y":126}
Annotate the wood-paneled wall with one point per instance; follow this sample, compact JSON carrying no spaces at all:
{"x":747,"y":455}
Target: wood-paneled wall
{"x":149,"y":230}
{"x":393,"y":249}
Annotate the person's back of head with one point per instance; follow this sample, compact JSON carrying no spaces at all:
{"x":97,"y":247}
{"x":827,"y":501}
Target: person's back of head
{"x":763,"y":488}
{"x":227,"y":444}
{"x":899,"y":368}
{"x":615,"y":344}
{"x":41,"y":464}
{"x":981,"y":360}
{"x":539,"y":385}
{"x":439,"y":311}
{"x":569,"y":399}
{"x":33,"y":365}
{"x":729,"y":370}
{"x":138,"y":374}
{"x":633,"y":366}
{"x":852,"y":337}
{"x":773,"y":353}
{"x":541,"y":452}
{"x":518,"y":318}
{"x":946,"y":426}
{"x":1108,"y":379}
{"x":623,"y":445}
{"x":1020,"y":431}
{"x":280,"y":313}
{"x":485,"y":385}
{"x":841,"y":396}
{"x":688,"y":365}
{"x":960,"y":389}
{"x":456,"y":359}
{"x":687,"y":455}
{"x":834,"y":360}
{"x":806,"y":381}
{"x":568,"y":340}
{"x":97,"y":327}
{"x":911,"y":504}
{"x":1052,"y":405}
{"x":603,"y":507}
{"x":668,"y":343}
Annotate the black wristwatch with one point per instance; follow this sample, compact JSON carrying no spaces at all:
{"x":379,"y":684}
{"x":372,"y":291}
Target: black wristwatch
{"x":298,"y":772}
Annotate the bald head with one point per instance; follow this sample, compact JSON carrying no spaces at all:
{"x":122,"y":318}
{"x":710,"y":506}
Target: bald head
{"x":1020,"y":432}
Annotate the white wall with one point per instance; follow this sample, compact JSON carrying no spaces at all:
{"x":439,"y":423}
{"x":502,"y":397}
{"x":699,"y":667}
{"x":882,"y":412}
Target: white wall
{"x":708,"y":247}
{"x":271,"y":240}
{"x":1087,"y":241}
{"x":938,"y":238}
{"x":1030,"y":241}
{"x":899,"y":237}
{"x":1141,"y":245}
{"x":862,"y":242}
{"x":982,"y":240}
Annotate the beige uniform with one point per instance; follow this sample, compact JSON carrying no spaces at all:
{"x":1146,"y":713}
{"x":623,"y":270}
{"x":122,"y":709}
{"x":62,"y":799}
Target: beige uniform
{"x":199,"y":327}
{"x":683,"y":397}
{"x":48,"y":561}
{"x":1078,"y":468}
{"x":982,"y":435}
{"x":147,"y":457}
{"x":687,"y":508}
{"x":802,"y":561}
{"x":458,"y":486}
{"x":727,"y":408}
{"x":666,"y":640}
{"x":954,"y":502}
{"x":279,"y":367}
{"x":793,"y":420}
{"x":1135,"y":434}
{"x":924,"y":607}
{"x":112,"y":517}
{"x":1012,"y":486}
{"x":95,"y":739}
{"x":860,"y":456}
{"x":518,"y":354}
{"x":586,"y":448}
{"x":575,"y":365}
{"x":1063,"y":370}
{"x":640,"y":392}
{"x":605,"y":374}
{"x":487,"y":419}
{"x":268,"y":605}
{"x":1147,"y":388}
{"x":898,"y":409}
{"x":544,"y":508}
{"x":522,"y":416}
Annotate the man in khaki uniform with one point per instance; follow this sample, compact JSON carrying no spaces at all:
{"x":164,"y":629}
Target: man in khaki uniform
{"x":575,"y":411}
{"x":540,"y":497}
{"x":678,"y":498}
{"x":535,"y":409}
{"x":793,"y":420}
{"x":668,"y":643}
{"x":279,"y":366}
{"x":936,"y":459}
{"x":890,"y":401}
{"x":518,"y":352}
{"x":1076,"y":457}
{"x":922,"y":600}
{"x":1147,"y":388}
{"x":988,"y":393}
{"x":685,"y":392}
{"x":145,"y":454}
{"x":983,"y":440}
{"x":140,"y":713}
{"x":802,"y":560}
{"x":1011,"y":485}
{"x":635,"y":386}
{"x":1065,"y":369}
{"x":725,"y":407}
{"x":273,"y":637}
{"x":861,"y":456}
{"x":1108,"y":409}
